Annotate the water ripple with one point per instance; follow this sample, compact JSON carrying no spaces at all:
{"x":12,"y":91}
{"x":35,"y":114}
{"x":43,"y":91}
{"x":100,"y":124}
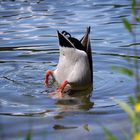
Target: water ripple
{"x":29,"y":46}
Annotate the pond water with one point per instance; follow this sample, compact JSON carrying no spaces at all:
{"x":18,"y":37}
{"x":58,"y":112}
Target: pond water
{"x":29,"y":46}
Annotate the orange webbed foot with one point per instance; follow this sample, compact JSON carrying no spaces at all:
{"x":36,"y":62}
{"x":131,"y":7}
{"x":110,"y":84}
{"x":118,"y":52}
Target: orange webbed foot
{"x":59,"y":92}
{"x":56,"y":94}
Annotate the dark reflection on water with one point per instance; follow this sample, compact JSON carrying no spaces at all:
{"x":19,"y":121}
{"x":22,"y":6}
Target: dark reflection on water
{"x":29,"y":46}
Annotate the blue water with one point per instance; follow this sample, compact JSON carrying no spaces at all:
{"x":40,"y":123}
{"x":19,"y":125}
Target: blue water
{"x":29,"y":47}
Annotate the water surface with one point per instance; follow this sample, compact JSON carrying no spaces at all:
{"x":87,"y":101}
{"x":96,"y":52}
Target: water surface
{"x":29,"y":46}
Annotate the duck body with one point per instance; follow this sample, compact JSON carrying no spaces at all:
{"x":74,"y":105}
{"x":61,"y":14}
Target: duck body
{"x":74,"y":69}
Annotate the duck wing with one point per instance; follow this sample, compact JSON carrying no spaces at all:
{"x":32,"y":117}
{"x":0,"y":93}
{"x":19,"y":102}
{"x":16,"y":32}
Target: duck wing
{"x":85,"y":41}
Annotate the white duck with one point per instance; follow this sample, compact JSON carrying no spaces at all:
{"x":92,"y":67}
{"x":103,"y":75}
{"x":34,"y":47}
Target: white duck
{"x":74,"y":68}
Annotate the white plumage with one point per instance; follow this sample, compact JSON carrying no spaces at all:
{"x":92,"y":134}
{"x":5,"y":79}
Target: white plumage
{"x":73,"y":66}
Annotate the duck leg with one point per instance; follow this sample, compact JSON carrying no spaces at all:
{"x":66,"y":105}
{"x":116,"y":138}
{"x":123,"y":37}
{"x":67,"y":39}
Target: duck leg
{"x":58,"y":93}
{"x":48,"y":73}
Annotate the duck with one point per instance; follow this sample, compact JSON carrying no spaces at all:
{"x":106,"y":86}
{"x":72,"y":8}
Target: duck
{"x":75,"y":66}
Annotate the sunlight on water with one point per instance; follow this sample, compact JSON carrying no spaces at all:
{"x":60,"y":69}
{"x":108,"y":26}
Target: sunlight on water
{"x":29,"y":46}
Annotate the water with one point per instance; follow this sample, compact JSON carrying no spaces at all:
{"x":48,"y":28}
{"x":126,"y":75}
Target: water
{"x":29,"y":46}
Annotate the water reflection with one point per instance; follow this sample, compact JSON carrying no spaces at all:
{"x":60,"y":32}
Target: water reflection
{"x":75,"y":102}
